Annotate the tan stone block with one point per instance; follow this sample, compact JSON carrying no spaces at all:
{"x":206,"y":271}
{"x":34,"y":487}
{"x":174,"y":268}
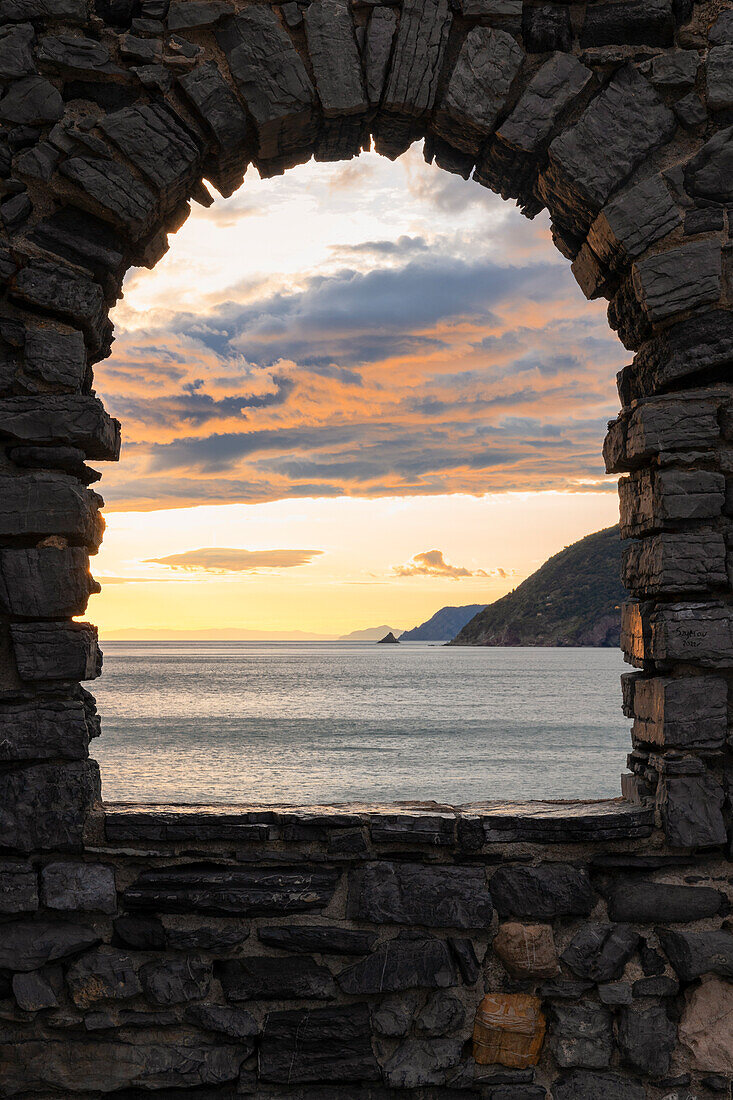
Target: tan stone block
{"x":527,"y":950}
{"x":706,"y":1028}
{"x":509,"y":1030}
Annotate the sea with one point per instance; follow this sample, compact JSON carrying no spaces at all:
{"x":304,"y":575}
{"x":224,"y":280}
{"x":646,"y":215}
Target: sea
{"x":313,"y":723}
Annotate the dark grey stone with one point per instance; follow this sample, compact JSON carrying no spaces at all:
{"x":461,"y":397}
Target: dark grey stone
{"x":542,"y":893}
{"x":183,"y":14}
{"x":478,"y":88}
{"x":377,"y":49}
{"x":18,"y":11}
{"x":599,"y":952}
{"x":721,"y":32}
{"x":547,"y":28}
{"x":276,"y":979}
{"x":328,"y":939}
{"x":550,"y":92}
{"x":266,"y":891}
{"x":674,"y":563}
{"x":560,"y":990}
{"x":582,"y":1084}
{"x":45,"y":806}
{"x":56,"y":651}
{"x":630,"y":23}
{"x":680,"y":279}
{"x":406,"y":962}
{"x":76,"y":56}
{"x":692,"y":810}
{"x":411,"y":893}
{"x":60,"y":291}
{"x":29,"y":945}
{"x":163,"y":152}
{"x":58,"y":358}
{"x":173,"y":981}
{"x":650,"y":902}
{"x":465,"y":955}
{"x":18,"y":887}
{"x":109,"y":1066}
{"x":693,"y":954}
{"x":329,"y":32}
{"x":222,"y":941}
{"x":436,"y":830}
{"x":101,"y":975}
{"x":73,"y":886}
{"x":39,"y":504}
{"x":718,"y":78}
{"x":223,"y":114}
{"x":16,"y":52}
{"x":647,"y":1037}
{"x":443,"y":1013}
{"x":45,"y":583}
{"x":38,"y":989}
{"x":660,"y":986}
{"x":628,"y":225}
{"x":675,"y":69}
{"x":627,"y":120}
{"x":707,"y":174}
{"x":615,"y":993}
{"x":420,"y":1062}
{"x":45,"y":729}
{"x":318,"y":1045}
{"x":32,"y":101}
{"x":271,"y":79}
{"x":140,"y":933}
{"x":581,"y":1035}
{"x":234,"y":1022}
{"x":393,"y":1016}
{"x":112,"y":191}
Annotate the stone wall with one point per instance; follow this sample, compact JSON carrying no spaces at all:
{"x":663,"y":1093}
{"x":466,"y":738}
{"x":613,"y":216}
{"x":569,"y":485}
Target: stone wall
{"x":618,"y":118}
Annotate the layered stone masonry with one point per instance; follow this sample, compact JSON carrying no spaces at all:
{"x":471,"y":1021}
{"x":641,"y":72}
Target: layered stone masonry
{"x":618,"y":117}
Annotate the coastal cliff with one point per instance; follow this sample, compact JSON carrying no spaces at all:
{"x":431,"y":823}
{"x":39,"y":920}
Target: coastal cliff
{"x":574,"y":599}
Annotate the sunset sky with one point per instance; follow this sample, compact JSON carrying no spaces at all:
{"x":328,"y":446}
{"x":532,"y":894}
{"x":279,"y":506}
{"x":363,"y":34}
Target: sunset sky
{"x":349,"y":396}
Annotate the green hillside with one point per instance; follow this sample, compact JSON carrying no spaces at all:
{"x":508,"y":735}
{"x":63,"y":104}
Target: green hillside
{"x":573,"y":599}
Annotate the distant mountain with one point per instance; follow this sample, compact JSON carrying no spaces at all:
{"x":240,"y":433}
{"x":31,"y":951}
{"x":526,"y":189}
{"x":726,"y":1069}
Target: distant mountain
{"x":573,"y":599}
{"x":371,"y":634}
{"x":444,"y":624}
{"x":223,"y":634}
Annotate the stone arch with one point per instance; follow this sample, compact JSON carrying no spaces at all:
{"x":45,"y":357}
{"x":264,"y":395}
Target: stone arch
{"x":614,"y":116}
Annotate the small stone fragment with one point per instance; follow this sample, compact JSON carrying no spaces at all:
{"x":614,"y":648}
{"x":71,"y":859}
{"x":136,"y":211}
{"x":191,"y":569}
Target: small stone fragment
{"x":647,"y":1037}
{"x":527,"y":951}
{"x":509,"y":1030}
{"x":86,"y":886}
{"x":173,"y":981}
{"x":542,"y":893}
{"x":104,"y":974}
{"x":599,"y":952}
{"x":582,"y":1035}
{"x":706,"y":1028}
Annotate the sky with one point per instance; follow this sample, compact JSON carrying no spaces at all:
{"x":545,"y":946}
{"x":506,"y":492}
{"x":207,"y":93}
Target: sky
{"x":350,"y":395}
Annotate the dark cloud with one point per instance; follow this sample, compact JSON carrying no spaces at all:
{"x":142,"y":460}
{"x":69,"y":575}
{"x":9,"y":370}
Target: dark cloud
{"x":235,"y":559}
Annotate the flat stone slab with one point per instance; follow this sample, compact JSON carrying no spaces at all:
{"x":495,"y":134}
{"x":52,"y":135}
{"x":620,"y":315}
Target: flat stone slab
{"x":500,"y":822}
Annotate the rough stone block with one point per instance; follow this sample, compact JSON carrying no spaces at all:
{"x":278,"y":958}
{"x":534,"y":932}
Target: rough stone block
{"x":18,"y":887}
{"x":632,"y":222}
{"x":77,"y":421}
{"x":328,"y":939}
{"x":16,"y":52}
{"x":675,"y":563}
{"x":318,"y":1045}
{"x":20,"y":11}
{"x":39,"y":504}
{"x":479,"y":88}
{"x":581,"y":1035}
{"x":542,"y":893}
{"x":630,"y":23}
{"x":547,"y":28}
{"x":218,"y":107}
{"x":693,"y":954}
{"x":698,"y":633}
{"x":583,"y":1084}
{"x":57,"y":358}
{"x":173,"y":981}
{"x":111,"y":191}
{"x":46,"y":729}
{"x":45,"y":806}
{"x":276,"y":979}
{"x":707,"y":174}
{"x":106,"y":1066}
{"x":329,"y":32}
{"x":599,"y":952}
{"x":706,"y":1028}
{"x":652,"y":500}
{"x":443,"y":1013}
{"x":186,"y":14}
{"x":670,"y":423}
{"x":45,"y":583}
{"x":719,"y":78}
{"x":688,"y":712}
{"x":405,"y":893}
{"x":38,"y":989}
{"x":692,"y":809}
{"x":102,"y":975}
{"x":76,"y":56}
{"x":56,"y":651}
{"x":266,"y":891}
{"x":163,"y":152}
{"x":377,"y":50}
{"x":679,"y":279}
{"x":62,"y":292}
{"x":627,"y":120}
{"x":437,"y":830}
{"x":651,"y":902}
{"x":675,"y":69}
{"x":526,"y":950}
{"x":32,"y":101}
{"x":79,"y":886}
{"x":508,"y":1030}
{"x":420,"y":1062}
{"x":271,"y":79}
{"x":407,"y":962}
{"x":28,"y":945}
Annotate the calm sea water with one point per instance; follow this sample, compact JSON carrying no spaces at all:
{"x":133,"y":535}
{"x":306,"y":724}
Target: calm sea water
{"x":309,"y":722}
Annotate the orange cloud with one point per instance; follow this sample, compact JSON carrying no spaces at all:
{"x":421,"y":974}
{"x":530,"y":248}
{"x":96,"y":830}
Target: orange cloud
{"x":431,"y":563}
{"x":235,"y":559}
